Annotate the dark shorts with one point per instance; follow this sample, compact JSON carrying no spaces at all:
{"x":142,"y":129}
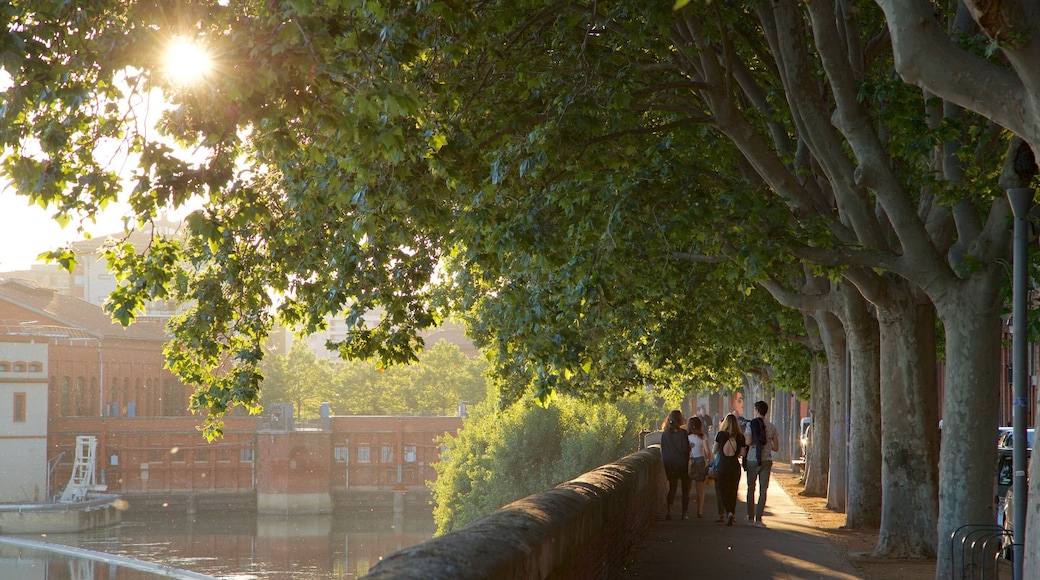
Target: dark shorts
{"x":698,"y":468}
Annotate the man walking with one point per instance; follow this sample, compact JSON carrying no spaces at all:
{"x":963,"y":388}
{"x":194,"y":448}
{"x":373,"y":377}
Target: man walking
{"x":762,"y":440}
{"x":706,"y":423}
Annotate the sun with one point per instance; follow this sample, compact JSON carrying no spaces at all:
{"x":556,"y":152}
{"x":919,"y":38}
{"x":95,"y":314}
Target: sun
{"x":186,"y":61}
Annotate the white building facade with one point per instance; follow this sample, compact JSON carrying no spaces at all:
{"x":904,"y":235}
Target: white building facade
{"x":23,"y":422}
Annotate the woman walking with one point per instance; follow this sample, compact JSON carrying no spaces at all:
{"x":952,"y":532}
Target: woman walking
{"x":675,"y":454}
{"x":731,"y":441}
{"x":698,"y":458}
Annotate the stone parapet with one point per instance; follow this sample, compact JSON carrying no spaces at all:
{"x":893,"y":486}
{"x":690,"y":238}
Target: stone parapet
{"x":584,"y":528}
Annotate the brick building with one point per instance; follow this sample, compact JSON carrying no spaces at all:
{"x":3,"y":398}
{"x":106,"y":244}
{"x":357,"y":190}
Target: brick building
{"x":95,"y":366}
{"x":94,"y":377}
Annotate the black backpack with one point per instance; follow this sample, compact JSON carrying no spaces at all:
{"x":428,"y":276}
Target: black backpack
{"x":758,"y":436}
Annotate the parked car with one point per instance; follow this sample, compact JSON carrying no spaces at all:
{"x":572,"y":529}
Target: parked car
{"x":1005,"y":478}
{"x":1007,"y":522}
{"x":1007,"y":437}
{"x":806,"y":430}
{"x":1005,"y":455}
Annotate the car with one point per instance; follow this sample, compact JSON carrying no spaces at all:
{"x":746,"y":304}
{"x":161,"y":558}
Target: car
{"x":1005,"y":492}
{"x":1005,"y":455}
{"x":1007,"y":524}
{"x":806,"y":430}
{"x":1007,"y":437}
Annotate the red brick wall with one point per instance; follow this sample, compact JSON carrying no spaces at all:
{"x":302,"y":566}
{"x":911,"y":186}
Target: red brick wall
{"x":294,"y":462}
{"x":412,"y":448}
{"x":179,"y":460}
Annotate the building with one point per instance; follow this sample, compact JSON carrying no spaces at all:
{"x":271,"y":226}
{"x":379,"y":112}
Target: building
{"x":70,"y":371}
{"x":336,"y":331}
{"x":23,"y":430}
{"x":95,"y":366}
{"x":90,"y":279}
{"x":45,"y":275}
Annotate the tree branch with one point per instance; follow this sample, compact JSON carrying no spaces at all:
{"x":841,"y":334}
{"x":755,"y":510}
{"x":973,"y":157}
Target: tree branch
{"x":927,"y":57}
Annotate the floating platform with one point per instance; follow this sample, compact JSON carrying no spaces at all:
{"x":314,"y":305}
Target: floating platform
{"x":61,"y":517}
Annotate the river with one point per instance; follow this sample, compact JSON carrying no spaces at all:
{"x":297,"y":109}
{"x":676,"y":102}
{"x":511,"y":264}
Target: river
{"x":237,"y":546}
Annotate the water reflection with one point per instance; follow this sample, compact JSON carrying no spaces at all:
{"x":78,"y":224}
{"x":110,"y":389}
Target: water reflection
{"x":234,"y":546}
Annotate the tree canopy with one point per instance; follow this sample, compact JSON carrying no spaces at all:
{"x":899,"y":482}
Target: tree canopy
{"x":435,"y":384}
{"x":345,"y":153}
{"x":601,"y":191}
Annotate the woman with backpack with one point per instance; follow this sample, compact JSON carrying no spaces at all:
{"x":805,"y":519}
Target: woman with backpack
{"x":699,"y":453}
{"x":730,"y":441}
{"x":675,"y":454}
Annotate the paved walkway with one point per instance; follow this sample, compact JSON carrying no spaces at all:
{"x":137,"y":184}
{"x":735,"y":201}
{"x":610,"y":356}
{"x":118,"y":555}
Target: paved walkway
{"x":790,"y":548}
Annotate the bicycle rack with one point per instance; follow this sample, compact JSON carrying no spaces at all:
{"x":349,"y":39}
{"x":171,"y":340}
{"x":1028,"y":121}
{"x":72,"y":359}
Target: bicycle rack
{"x":976,"y":542}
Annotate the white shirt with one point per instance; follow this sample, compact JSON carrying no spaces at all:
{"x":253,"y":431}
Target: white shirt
{"x":696,"y":446}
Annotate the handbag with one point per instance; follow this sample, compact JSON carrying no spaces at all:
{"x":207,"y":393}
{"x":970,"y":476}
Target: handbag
{"x":713,"y":467}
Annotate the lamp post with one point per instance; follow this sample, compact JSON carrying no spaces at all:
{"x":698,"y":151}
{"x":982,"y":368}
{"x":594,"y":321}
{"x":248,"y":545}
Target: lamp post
{"x":1021,"y":199}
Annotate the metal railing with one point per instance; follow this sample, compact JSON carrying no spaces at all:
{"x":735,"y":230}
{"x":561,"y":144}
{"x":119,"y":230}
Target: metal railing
{"x":980,"y":551}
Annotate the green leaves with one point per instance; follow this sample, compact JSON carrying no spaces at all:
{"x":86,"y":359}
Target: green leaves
{"x":539,"y":168}
{"x":501,"y":455}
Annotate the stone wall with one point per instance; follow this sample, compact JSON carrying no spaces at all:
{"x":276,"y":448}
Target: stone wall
{"x":584,"y":528}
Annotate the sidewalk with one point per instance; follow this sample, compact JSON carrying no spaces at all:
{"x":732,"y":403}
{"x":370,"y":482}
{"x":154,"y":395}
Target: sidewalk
{"x":790,"y":548}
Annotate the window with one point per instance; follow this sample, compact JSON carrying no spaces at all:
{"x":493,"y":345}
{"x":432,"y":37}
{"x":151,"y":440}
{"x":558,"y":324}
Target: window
{"x":66,"y":396}
{"x":4,"y":367}
{"x":245,"y":456}
{"x":363,"y":454}
{"x":223,"y":454}
{"x":35,"y":367}
{"x":409,"y":453}
{"x":202,"y":456}
{"x":19,"y":407}
{"x":177,"y":453}
{"x":19,"y":367}
{"x":80,"y":397}
{"x":387,"y":453}
{"x":340,"y":454}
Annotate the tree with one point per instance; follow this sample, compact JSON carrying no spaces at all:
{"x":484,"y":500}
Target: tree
{"x":300,"y":378}
{"x":434,"y":385}
{"x":359,"y":391}
{"x":285,"y":237}
{"x":515,"y":140}
{"x":501,"y":455}
{"x":441,"y":379}
{"x":1005,"y":90}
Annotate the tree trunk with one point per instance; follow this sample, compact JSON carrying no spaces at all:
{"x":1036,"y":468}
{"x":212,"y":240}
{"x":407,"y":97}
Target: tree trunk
{"x":909,"y":422}
{"x":833,"y":335}
{"x":863,"y":508}
{"x":971,"y":317}
{"x":1031,"y":561}
{"x":780,"y":409}
{"x":817,"y":463}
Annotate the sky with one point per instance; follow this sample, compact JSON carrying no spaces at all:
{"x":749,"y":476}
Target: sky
{"x":28,"y":230}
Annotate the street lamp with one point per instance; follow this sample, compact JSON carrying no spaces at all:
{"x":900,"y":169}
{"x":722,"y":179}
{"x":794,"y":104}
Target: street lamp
{"x":1021,"y":199}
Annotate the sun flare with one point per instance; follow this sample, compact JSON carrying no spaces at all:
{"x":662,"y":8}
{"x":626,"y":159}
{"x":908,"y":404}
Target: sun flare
{"x":186,"y":62}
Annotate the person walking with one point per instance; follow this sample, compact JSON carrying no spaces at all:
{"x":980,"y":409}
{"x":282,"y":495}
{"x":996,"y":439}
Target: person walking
{"x":699,"y":452}
{"x":730,"y":441}
{"x":762,"y":441}
{"x":675,"y":454}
